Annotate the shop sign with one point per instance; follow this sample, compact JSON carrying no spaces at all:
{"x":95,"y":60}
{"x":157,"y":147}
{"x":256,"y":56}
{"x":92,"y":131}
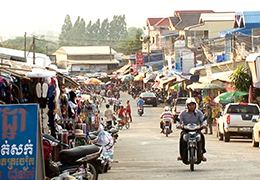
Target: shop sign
{"x":139,"y":59}
{"x":18,"y":141}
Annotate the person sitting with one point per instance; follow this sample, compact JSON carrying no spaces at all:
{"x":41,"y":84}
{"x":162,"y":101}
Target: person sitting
{"x":140,"y":103}
{"x":191,"y":115}
{"x":166,"y":115}
{"x":121,"y":113}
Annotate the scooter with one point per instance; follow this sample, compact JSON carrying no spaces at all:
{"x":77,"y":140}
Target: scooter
{"x":167,"y":127}
{"x":77,"y":162}
{"x":193,"y":153}
{"x":140,"y":111}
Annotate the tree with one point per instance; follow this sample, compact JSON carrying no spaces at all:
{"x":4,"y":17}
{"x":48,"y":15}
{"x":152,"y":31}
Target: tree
{"x":65,"y":30}
{"x":132,"y":43}
{"x":240,"y":79}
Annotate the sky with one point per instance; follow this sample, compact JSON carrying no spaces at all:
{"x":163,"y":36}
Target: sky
{"x":37,"y":16}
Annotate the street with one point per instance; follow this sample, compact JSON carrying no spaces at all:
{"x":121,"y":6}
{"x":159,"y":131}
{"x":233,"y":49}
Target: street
{"x":143,"y":153}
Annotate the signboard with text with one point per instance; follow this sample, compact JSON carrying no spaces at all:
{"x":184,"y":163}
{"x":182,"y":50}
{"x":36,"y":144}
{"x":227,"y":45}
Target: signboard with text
{"x":139,"y":59}
{"x":18,"y":141}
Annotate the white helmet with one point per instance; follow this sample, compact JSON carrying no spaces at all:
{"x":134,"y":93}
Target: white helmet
{"x":191,"y":100}
{"x":166,"y":108}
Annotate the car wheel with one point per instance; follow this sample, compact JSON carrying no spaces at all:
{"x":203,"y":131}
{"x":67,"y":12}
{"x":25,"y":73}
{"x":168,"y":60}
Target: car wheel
{"x":254,"y":143}
{"x":155,"y":105}
{"x":226,"y":137}
{"x":219,"y":135}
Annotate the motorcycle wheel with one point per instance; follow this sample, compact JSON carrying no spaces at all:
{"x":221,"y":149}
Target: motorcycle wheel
{"x":140,"y":114}
{"x":166,"y":132}
{"x":192,"y":151}
{"x":91,"y":172}
{"x":127,"y":125}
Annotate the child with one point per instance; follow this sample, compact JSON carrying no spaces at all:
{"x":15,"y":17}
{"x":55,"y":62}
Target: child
{"x":121,"y":113}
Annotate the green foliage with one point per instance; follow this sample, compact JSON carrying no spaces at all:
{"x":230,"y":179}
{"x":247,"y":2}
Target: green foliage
{"x":105,"y":33}
{"x":240,"y":79}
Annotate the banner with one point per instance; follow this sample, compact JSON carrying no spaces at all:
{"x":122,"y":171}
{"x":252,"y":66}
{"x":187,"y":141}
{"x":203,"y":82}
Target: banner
{"x":18,"y":141}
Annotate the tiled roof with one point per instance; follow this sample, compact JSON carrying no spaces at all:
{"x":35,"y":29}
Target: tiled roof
{"x":153,"y":21}
{"x":187,"y":19}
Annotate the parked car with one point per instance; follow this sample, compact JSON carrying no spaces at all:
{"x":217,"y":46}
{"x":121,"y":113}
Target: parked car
{"x":149,"y":98}
{"x":256,"y":134}
{"x":238,"y":119}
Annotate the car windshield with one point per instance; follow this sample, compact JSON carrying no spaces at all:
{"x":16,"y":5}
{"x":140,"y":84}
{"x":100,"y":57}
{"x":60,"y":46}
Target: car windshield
{"x":147,"y":95}
{"x":181,"y":101}
{"x":243,"y":109}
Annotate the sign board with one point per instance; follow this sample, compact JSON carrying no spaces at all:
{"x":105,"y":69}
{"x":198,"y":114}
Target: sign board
{"x":187,"y":61}
{"x":19,"y":141}
{"x":139,"y":59}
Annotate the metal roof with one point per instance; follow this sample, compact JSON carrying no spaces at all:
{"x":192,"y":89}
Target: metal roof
{"x":85,"y":50}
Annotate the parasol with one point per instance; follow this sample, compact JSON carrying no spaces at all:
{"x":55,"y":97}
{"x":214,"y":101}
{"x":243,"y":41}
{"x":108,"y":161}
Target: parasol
{"x":229,"y":96}
{"x":204,"y":86}
{"x":92,"y":81}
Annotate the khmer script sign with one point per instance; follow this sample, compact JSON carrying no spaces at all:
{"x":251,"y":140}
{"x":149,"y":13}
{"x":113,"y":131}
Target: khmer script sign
{"x":18,"y":141}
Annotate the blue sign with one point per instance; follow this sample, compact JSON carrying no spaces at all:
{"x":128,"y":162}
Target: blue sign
{"x":18,"y":141}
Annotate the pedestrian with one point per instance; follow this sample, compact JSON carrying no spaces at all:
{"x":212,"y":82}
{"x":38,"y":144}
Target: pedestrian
{"x":108,"y":114}
{"x":208,"y":117}
{"x":128,"y":110}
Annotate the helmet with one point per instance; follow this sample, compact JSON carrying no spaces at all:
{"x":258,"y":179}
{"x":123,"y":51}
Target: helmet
{"x":166,"y":108}
{"x":191,"y":100}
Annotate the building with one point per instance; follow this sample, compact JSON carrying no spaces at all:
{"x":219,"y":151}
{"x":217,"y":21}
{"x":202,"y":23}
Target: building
{"x":86,"y":59}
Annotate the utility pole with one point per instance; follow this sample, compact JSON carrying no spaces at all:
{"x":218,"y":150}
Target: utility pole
{"x":33,"y":50}
{"x":25,"y":59}
{"x":110,"y":50}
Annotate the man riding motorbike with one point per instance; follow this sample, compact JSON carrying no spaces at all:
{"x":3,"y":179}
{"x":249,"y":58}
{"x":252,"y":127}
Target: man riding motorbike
{"x":140,"y":103}
{"x":191,"y":115}
{"x":166,"y":115}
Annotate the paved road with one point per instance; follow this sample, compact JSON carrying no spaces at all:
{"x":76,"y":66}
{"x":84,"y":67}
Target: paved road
{"x":143,"y":153}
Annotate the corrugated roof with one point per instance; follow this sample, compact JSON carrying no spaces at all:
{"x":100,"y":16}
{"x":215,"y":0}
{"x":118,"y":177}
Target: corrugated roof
{"x":87,"y":50}
{"x":164,"y":22}
{"x":229,"y":16}
{"x":101,"y":61}
{"x":187,"y":19}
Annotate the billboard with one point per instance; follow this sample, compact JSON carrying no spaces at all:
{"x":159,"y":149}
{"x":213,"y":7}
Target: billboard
{"x":18,"y":141}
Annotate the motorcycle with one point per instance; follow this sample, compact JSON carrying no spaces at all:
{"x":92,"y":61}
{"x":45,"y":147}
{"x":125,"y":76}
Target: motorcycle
{"x":123,"y":122}
{"x":193,"y":154}
{"x":140,"y":111}
{"x":76,"y":162}
{"x":167,"y":127}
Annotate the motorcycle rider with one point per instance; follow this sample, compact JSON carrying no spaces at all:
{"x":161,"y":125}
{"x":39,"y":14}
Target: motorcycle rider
{"x":166,"y":115}
{"x":191,"y":115}
{"x":140,"y":103}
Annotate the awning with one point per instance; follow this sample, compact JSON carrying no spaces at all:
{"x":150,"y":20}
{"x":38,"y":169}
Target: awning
{"x":124,"y":68}
{"x":166,"y":81}
{"x":170,"y":35}
{"x":66,"y":80}
{"x":12,"y":73}
{"x":222,"y":76}
{"x":240,"y":32}
{"x":154,"y":63}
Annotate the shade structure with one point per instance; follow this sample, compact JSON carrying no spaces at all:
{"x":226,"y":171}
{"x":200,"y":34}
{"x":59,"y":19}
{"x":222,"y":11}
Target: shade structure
{"x":230,"y":96}
{"x":204,"y":86}
{"x":127,"y":78}
{"x":92,"y":81}
{"x":139,"y":77}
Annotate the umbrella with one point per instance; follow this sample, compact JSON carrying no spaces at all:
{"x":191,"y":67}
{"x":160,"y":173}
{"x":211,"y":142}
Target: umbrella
{"x":204,"y":86}
{"x":92,"y":81}
{"x":229,"y":96}
{"x":127,"y":78}
{"x":139,"y":77}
